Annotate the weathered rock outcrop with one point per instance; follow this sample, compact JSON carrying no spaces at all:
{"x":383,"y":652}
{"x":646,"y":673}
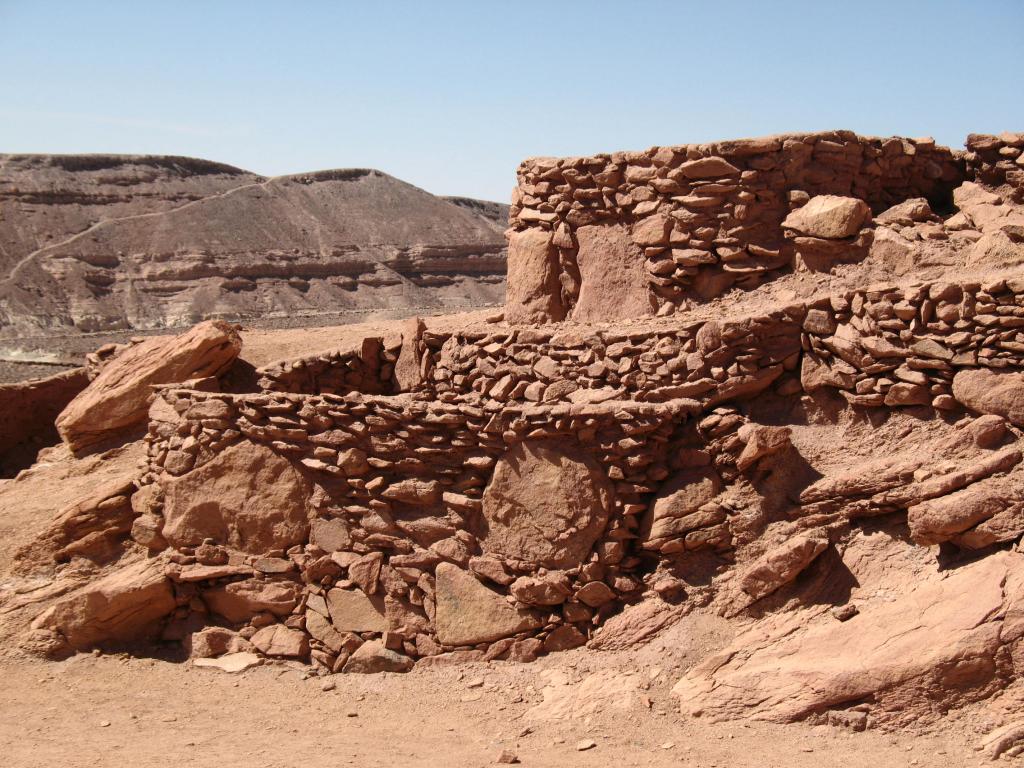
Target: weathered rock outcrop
{"x":996,"y":392}
{"x":125,"y":606}
{"x":118,"y":398}
{"x":946,"y":641}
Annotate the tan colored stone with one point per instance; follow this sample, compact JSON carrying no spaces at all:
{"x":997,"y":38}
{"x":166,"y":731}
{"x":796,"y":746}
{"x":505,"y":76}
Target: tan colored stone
{"x":118,"y":398}
{"x":676,"y":508}
{"x":829,"y":217}
{"x":247,"y":497}
{"x":408,"y":368}
{"x":468,"y":612}
{"x":239,"y":601}
{"x":545,"y":504}
{"x":939,"y":636}
{"x":372,"y":657}
{"x":781,"y":565}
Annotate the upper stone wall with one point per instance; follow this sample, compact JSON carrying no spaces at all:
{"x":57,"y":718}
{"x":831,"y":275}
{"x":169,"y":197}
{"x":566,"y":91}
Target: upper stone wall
{"x":629,"y":234}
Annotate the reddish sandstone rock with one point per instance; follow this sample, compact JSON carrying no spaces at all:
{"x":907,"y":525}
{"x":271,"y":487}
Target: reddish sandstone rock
{"x":613,"y":278}
{"x":944,"y":635}
{"x":761,"y":441}
{"x":533,"y":294}
{"x":677,"y":507}
{"x":550,"y":589}
{"x":468,"y":612}
{"x":781,"y":565}
{"x":126,"y":605}
{"x":372,"y":657}
{"x":544,"y":505}
{"x":352,"y":610}
{"x":248,"y":497}
{"x":991,"y":392}
{"x":408,"y":367}
{"x":940,"y":519}
{"x":118,"y":398}
{"x":829,"y":217}
{"x":239,"y":601}
{"x":279,"y":640}
{"x":210,"y":642}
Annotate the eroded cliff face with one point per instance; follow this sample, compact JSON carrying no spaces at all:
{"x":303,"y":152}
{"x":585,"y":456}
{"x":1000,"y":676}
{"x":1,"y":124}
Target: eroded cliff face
{"x":96,"y":243}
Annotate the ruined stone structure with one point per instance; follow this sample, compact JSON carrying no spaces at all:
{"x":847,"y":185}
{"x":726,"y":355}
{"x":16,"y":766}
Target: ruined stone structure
{"x":511,"y":489}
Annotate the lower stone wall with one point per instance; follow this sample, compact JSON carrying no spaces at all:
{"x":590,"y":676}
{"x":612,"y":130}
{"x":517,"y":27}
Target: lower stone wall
{"x":27,"y":412}
{"x":367,"y":367}
{"x":427,"y":527}
{"x":890,"y":346}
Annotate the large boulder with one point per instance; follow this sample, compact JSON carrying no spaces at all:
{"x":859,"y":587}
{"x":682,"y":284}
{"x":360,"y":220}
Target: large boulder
{"x":943,"y":640}
{"x":118,"y":398}
{"x":545,"y":505}
{"x":468,"y":612}
{"x":534,"y":292}
{"x":829,"y":217}
{"x":247,"y":497}
{"x":123,"y":606}
{"x":994,"y":392}
{"x":614,"y":282}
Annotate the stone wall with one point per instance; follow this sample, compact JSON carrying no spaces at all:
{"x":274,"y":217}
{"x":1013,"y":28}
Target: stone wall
{"x":621,"y":235}
{"x":997,"y":161}
{"x":27,"y":413}
{"x":366,"y":367}
{"x":369,"y":497}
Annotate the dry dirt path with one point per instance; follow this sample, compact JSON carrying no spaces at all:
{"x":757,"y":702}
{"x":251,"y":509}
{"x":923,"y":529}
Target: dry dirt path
{"x":113,"y":711}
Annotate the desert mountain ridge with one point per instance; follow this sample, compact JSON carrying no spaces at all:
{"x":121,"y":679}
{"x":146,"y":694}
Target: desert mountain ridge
{"x":104,"y":242}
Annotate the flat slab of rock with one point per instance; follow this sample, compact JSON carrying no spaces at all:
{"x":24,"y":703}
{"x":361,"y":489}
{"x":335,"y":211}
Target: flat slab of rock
{"x":830,"y":217}
{"x":118,"y":399}
{"x":613,"y":278}
{"x":282,"y":641}
{"x":533,"y":291}
{"x":247,"y":497}
{"x":352,"y":610}
{"x":469,"y":612}
{"x":232,"y":663}
{"x":545,"y":505}
{"x":781,"y":565}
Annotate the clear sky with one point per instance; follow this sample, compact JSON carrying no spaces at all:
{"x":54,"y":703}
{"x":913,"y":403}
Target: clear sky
{"x":452,"y":95}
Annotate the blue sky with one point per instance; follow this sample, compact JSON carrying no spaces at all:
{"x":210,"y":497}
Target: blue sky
{"x":452,"y":95}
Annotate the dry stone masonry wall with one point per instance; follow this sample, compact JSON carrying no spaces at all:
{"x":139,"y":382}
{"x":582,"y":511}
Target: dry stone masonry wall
{"x":638,"y":233}
{"x":368,"y":498}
